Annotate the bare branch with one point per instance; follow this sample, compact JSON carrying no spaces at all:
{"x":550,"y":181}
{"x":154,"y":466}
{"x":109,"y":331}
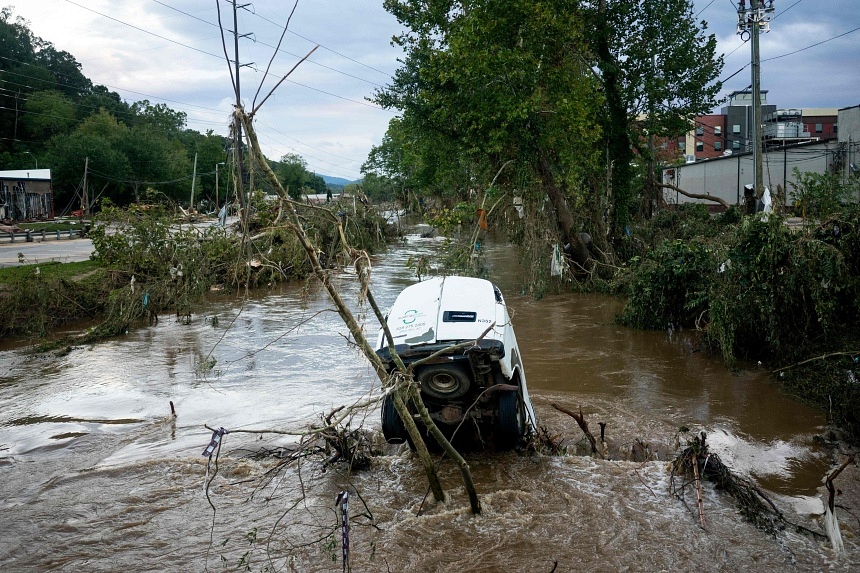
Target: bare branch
{"x":719,"y":200}
{"x":275,"y":53}
{"x":282,"y":80}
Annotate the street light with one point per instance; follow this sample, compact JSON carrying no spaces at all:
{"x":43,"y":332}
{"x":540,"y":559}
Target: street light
{"x":34,"y":158}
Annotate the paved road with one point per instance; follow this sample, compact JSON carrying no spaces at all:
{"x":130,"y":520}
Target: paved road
{"x":64,"y":250}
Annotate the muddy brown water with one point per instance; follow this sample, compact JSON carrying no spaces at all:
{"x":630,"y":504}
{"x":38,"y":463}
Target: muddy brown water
{"x":95,"y":475}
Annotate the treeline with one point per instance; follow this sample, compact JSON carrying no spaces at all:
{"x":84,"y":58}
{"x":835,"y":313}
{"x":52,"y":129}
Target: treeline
{"x":564,"y":94}
{"x":53,"y":115}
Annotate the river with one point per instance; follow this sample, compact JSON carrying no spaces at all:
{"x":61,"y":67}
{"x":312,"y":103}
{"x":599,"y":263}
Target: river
{"x":97,"y":475}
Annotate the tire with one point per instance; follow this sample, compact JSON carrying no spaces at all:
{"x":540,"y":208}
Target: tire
{"x":392,"y":426}
{"x":444,"y":381}
{"x":511,"y":425}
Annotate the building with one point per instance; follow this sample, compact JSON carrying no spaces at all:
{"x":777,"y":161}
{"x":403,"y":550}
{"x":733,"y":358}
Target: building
{"x":26,"y":195}
{"x":725,"y":176}
{"x":787,"y":126}
{"x":739,"y":119}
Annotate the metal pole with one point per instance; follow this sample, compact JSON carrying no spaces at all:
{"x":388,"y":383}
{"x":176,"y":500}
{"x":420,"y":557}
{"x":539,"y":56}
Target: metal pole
{"x":750,"y":22}
{"x":34,"y":158}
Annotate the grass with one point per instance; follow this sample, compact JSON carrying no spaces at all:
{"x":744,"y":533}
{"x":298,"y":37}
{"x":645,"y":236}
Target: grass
{"x":48,"y":270}
{"x":53,"y":226}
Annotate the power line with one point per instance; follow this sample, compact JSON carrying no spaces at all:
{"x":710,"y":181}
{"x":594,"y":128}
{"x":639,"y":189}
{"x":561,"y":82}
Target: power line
{"x":786,"y":10}
{"x":213,"y":55}
{"x":172,"y":41}
{"x":273,"y":47}
{"x":812,"y":45}
{"x":703,"y":9}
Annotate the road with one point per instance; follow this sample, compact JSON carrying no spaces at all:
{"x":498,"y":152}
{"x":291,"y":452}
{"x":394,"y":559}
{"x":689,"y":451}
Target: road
{"x":64,"y":250}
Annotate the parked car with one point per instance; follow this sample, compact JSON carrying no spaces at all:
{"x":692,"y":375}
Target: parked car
{"x":476,"y":391}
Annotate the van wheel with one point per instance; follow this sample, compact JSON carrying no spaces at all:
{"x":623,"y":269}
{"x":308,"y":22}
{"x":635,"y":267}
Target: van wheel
{"x":392,"y":426}
{"x":444,"y":381}
{"x":511,"y":421}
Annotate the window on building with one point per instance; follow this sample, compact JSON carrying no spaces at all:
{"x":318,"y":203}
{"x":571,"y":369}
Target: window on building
{"x":736,"y":128}
{"x":736,"y":145}
{"x":700,"y":146}
{"x":819,"y":128}
{"x":682,"y":145}
{"x":718,"y":130}
{"x":718,"y":146}
{"x":700,"y":130}
{"x":834,"y":128}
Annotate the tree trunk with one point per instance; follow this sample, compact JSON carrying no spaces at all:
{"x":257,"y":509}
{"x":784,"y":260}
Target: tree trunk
{"x":578,"y":250}
{"x":615,"y":124}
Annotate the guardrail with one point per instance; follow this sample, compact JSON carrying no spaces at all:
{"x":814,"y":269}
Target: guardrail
{"x":39,"y":236}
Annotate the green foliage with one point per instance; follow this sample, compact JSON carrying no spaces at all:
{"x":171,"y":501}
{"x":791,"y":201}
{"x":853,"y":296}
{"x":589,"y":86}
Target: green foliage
{"x":820,"y":195}
{"x":832,"y":383}
{"x":780,"y":292}
{"x":759,"y":289}
{"x":450,"y":221}
{"x":35,"y":299}
{"x":669,"y":286}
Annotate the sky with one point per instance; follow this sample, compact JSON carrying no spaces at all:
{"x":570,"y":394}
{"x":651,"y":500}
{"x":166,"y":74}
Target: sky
{"x":170,"y":51}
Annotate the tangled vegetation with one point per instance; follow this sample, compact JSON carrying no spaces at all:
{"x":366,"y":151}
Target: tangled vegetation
{"x":147,"y":262}
{"x":759,"y":289}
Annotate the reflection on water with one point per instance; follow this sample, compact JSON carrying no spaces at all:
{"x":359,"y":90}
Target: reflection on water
{"x":93,"y":464}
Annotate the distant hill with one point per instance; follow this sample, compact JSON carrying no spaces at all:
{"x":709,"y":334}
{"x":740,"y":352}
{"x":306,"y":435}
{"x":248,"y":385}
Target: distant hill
{"x":337,"y":181}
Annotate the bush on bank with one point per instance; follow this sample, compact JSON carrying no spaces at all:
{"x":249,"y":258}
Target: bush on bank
{"x":146,"y":263}
{"x":760,"y":290}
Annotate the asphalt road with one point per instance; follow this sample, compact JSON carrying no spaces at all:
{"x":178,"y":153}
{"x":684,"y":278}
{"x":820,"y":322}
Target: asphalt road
{"x":64,"y":250}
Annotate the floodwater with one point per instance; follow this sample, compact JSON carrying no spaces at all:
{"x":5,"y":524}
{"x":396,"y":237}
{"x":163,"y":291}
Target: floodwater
{"x":96,"y":475}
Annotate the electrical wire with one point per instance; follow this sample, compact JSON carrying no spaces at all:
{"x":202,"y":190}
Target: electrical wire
{"x":275,"y":48}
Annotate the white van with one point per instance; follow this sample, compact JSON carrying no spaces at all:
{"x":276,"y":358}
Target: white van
{"x":479,"y":388}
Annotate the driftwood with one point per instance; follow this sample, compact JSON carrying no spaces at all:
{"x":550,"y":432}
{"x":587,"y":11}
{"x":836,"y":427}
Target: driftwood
{"x":583,"y":425}
{"x":722,"y":202}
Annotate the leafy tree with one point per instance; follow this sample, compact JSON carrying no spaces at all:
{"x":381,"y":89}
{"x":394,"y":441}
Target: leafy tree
{"x":159,"y":116}
{"x":503,"y":80}
{"x":821,"y":194}
{"x":316,"y":183}
{"x":292,"y":172}
{"x":654,"y":60}
{"x":48,"y":113}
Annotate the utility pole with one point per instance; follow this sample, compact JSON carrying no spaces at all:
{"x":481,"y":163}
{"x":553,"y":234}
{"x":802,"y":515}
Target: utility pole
{"x":751,"y":21}
{"x":84,"y":199}
{"x":193,"y":180}
{"x":240,"y":164}
{"x":216,"y":185}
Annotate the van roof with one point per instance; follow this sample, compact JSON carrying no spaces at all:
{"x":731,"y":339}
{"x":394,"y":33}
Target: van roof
{"x":445,"y":309}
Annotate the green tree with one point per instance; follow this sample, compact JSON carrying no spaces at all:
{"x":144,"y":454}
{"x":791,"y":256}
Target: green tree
{"x":292,"y":173}
{"x":655,"y":61}
{"x":504,"y":80}
{"x":48,"y":113}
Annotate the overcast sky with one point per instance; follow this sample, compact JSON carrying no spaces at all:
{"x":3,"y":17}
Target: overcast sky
{"x":170,"y":51}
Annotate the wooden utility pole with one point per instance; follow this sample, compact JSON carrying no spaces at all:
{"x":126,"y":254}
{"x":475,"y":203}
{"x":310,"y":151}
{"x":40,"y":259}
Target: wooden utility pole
{"x":237,"y":142}
{"x":193,"y":179}
{"x":85,"y":207}
{"x":750,"y":23}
